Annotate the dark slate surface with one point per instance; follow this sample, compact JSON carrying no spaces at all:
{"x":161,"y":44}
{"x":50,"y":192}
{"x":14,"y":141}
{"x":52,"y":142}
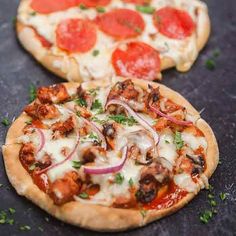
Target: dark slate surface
{"x":215,"y":91}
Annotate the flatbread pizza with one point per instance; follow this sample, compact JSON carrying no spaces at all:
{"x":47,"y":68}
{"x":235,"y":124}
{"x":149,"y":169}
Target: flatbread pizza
{"x":110,"y":156}
{"x":83,"y":40}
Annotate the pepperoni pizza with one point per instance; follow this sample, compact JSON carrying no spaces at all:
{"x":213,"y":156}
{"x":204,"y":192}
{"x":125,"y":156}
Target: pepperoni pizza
{"x":93,"y":39}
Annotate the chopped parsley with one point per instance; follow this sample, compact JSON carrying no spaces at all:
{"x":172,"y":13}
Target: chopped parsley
{"x":143,"y":213}
{"x":213,"y":203}
{"x":40,"y":229}
{"x":5,"y":121}
{"x":81,"y":102}
{"x":97,"y":106}
{"x":29,"y":122}
{"x":25,"y":228}
{"x":210,"y":64}
{"x":46,"y":219}
{"x":119,"y":178}
{"x":32,"y":167}
{"x":131,"y":182}
{"x":166,"y":141}
{"x":206,"y":216}
{"x":178,"y":141}
{"x":95,"y":52}
{"x":93,"y":92}
{"x":84,"y":195}
{"x":222,"y":196}
{"x":138,"y":30}
{"x":78,"y":113}
{"x":33,"y":13}
{"x":12,"y":210}
{"x":97,"y":120}
{"x":4,"y":219}
{"x":93,"y":136}
{"x":122,"y":119}
{"x":32,"y":93}
{"x":82,"y":7}
{"x":100,"y":9}
{"x":210,"y":196}
{"x":146,"y":9}
{"x":76,"y":164}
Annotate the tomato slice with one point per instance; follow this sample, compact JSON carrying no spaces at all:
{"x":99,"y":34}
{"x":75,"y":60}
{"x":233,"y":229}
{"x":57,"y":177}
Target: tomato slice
{"x":138,"y":60}
{"x":50,"y":6}
{"x":121,"y":23}
{"x":173,"y":23}
{"x":76,"y":35}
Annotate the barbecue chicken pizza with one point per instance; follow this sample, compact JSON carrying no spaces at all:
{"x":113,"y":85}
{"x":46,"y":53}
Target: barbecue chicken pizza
{"x":109,"y":156}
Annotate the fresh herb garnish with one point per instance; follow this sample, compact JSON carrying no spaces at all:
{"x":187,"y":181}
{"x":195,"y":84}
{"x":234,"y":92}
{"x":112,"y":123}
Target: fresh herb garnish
{"x":12,"y":210}
{"x":78,"y":113}
{"x":213,"y":203}
{"x":32,"y":167}
{"x":81,"y":102}
{"x":33,"y":13}
{"x":222,"y":196}
{"x":76,"y":164}
{"x":97,"y":120}
{"x":95,"y":52}
{"x":5,"y":121}
{"x":29,"y":122}
{"x":4,"y":219}
{"x":131,"y":182}
{"x":82,"y":7}
{"x":46,"y":219}
{"x":122,"y":119}
{"x":143,"y":212}
{"x":32,"y":93}
{"x":178,"y":141}
{"x":40,"y":229}
{"x":25,"y":228}
{"x":206,"y":216}
{"x":119,"y":178}
{"x":97,"y":105}
{"x":93,"y":136}
{"x":100,"y":9}
{"x":145,"y":9}
{"x":84,"y":195}
{"x":210,"y":64}
{"x":93,"y":92}
{"x":166,"y":141}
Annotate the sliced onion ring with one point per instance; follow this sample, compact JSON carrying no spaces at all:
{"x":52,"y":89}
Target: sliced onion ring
{"x":65,"y":160}
{"x":97,"y":130}
{"x":170,"y":118}
{"x":138,"y":118}
{"x":108,"y":169}
{"x":41,"y":138}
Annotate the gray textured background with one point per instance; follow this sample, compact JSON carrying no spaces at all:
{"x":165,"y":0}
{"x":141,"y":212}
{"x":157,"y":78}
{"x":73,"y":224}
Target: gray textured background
{"x":213,"y":90}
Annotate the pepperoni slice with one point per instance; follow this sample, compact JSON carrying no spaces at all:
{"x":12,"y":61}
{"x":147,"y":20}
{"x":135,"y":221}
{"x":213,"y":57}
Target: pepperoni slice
{"x":174,"y":23}
{"x":138,"y":2}
{"x":138,"y":60}
{"x":95,"y":3}
{"x":50,"y":6}
{"x":76,"y":35}
{"x":121,"y":23}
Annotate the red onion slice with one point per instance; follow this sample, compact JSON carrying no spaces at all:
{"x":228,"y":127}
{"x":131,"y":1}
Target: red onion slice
{"x":65,"y":160}
{"x":41,"y":138}
{"x":107,"y":169}
{"x":96,"y":130}
{"x":170,"y":118}
{"x":137,"y":117}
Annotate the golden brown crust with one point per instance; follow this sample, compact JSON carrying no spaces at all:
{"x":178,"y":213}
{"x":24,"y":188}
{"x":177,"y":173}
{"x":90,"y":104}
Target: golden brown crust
{"x":68,"y":68}
{"x":90,"y":216}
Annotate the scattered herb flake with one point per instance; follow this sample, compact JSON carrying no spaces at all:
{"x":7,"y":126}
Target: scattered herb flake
{"x":131,"y":182}
{"x":223,"y":196}
{"x":5,"y":121}
{"x":40,"y":229}
{"x":33,"y":13}
{"x":100,"y":9}
{"x":93,"y":136}
{"x":84,"y":195}
{"x":95,"y":52}
{"x":210,"y":188}
{"x":146,"y":9}
{"x":97,"y":120}
{"x":122,"y":119}
{"x":216,"y":53}
{"x":10,"y":221}
{"x":93,"y":92}
{"x":206,"y":216}
{"x":210,"y":196}
{"x":213,"y":203}
{"x":76,"y":164}
{"x":119,"y":178}
{"x":25,"y":228}
{"x":210,"y":64}
{"x":78,"y":113}
{"x":82,"y":7}
{"x":81,"y":102}
{"x":32,"y":93}
{"x":46,"y":219}
{"x":12,"y":210}
{"x":97,"y":106}
{"x":29,"y":122}
{"x":166,"y":141}
{"x":178,"y":141}
{"x":143,"y":212}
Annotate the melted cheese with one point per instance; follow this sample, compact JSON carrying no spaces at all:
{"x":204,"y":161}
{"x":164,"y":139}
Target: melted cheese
{"x":183,"y":52}
{"x":185,"y":182}
{"x":193,"y":141}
